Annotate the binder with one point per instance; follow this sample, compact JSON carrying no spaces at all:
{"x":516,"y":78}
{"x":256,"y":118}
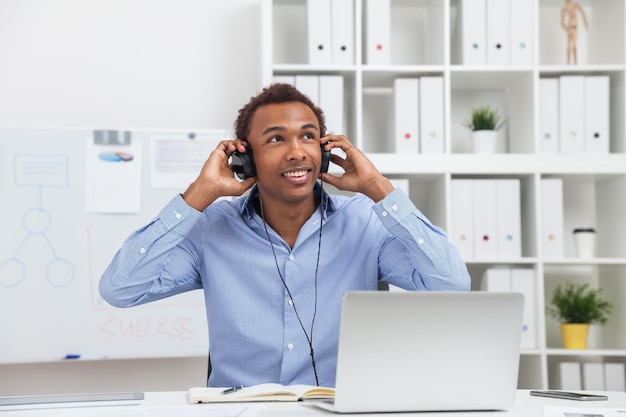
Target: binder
{"x":522,"y":44}
{"x":552,"y":218}
{"x":593,"y":376}
{"x":319,"y":32}
{"x":462,"y":216}
{"x":485,"y":226}
{"x":309,"y":86}
{"x":378,"y":32}
{"x":549,"y":115}
{"x":523,"y":280}
{"x":614,"y":377}
{"x":406,"y":115}
{"x":509,"y":220}
{"x":597,"y":114}
{"x":498,"y":32}
{"x":570,"y":376}
{"x":342,"y":29}
{"x":571,"y":114}
{"x":496,"y":280}
{"x":473,"y":32}
{"x":331,"y":101}
{"x":431,"y":119}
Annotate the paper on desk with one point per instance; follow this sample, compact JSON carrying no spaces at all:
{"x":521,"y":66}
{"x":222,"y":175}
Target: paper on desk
{"x":204,"y":410}
{"x":582,"y":412}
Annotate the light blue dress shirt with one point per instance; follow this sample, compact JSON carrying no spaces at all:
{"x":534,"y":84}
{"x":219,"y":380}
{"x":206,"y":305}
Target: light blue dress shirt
{"x":255,"y":336}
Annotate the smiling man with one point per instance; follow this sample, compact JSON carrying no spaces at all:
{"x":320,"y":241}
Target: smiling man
{"x":274,"y":264}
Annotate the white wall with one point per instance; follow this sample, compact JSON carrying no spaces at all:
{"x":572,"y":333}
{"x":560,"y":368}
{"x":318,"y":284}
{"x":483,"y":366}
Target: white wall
{"x":170,"y":64}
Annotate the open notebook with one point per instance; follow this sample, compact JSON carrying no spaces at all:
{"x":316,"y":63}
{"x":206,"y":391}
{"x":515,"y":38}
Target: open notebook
{"x":427,"y":351}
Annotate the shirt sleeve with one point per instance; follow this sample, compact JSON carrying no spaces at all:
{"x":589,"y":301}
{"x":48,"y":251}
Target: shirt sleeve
{"x":417,"y":254}
{"x":140,"y":270}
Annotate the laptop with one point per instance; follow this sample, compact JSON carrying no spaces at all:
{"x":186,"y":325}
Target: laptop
{"x":427,"y":351}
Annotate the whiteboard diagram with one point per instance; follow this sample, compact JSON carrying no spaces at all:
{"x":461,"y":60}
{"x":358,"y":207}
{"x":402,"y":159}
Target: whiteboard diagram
{"x":40,"y":172}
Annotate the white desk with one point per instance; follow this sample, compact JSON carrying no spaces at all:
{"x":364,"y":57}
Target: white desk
{"x":161,"y":404}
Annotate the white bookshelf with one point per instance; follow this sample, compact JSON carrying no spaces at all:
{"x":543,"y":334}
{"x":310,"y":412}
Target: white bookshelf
{"x":425,"y":41}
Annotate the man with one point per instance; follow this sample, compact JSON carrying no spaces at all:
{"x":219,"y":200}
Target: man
{"x":275,"y":264}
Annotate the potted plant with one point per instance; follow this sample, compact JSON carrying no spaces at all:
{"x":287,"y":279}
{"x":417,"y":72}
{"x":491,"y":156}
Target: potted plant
{"x":576,"y":306}
{"x":484,"y":124}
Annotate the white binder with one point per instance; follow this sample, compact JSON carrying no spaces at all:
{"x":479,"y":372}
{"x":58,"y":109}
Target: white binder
{"x":319,"y":32}
{"x":549,"y":115}
{"x":342,"y":22}
{"x":496,"y":280}
{"x":593,"y":376}
{"x":431,"y":115}
{"x":462,"y":216}
{"x":498,"y":32}
{"x":614,"y":377}
{"x":571,"y":114}
{"x":309,"y":86}
{"x":509,"y":220}
{"x":570,"y":376}
{"x":473,"y":17}
{"x":597,"y":112}
{"x":552,"y":218}
{"x":485,"y":226}
{"x":378,"y":32}
{"x":406,"y":114}
{"x":331,"y":101}
{"x":523,"y":280}
{"x":522,"y":43}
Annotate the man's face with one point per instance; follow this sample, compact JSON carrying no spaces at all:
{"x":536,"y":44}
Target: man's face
{"x":285,"y":141}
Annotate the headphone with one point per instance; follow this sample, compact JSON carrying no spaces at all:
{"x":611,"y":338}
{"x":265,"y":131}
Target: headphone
{"x":244,"y":167}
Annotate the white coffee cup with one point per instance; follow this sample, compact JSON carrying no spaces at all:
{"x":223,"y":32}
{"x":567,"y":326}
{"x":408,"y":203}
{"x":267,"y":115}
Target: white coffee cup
{"x":585,"y":240}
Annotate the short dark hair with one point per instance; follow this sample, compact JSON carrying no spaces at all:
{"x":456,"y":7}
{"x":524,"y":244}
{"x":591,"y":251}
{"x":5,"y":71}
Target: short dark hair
{"x":274,"y":94}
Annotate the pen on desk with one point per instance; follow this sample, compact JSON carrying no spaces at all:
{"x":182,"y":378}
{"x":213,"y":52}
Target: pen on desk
{"x":84,"y":356}
{"x":231,"y":390}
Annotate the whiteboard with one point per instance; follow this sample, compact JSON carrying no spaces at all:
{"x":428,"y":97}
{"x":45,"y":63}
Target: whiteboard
{"x":53,"y":252}
{"x":160,"y":65}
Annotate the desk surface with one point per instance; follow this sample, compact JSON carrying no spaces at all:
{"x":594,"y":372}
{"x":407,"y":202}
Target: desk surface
{"x":160,"y":404}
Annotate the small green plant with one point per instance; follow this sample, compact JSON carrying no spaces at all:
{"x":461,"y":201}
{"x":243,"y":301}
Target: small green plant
{"x":578,"y":303}
{"x":485,"y":118}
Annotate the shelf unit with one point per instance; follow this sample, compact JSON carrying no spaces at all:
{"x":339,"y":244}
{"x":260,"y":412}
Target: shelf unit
{"x":424,"y":42}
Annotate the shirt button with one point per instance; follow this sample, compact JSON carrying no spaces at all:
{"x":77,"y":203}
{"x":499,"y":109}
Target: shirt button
{"x":394,"y":207}
{"x":291,"y":257}
{"x":420,"y":241}
{"x":290,"y":302}
{"x":142,"y":250}
{"x":178,"y":215}
{"x":385,"y":214}
{"x":290,"y":346}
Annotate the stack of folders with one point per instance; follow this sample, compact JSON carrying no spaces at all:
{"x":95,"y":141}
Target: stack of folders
{"x":486,"y":218}
{"x":495,"y":32}
{"x":516,"y":280}
{"x":330,"y":27}
{"x":574,"y":114}
{"x":593,"y":376}
{"x":326,"y":91}
{"x":419,"y":115}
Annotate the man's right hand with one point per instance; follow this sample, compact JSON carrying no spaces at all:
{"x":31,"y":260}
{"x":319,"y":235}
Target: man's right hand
{"x":216,"y":179}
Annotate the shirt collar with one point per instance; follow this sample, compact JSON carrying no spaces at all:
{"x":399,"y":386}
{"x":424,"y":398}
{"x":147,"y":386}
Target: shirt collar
{"x":247,"y":208}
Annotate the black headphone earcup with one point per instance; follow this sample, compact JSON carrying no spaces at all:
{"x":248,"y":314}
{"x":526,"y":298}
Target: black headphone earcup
{"x":325,"y":161}
{"x":243,"y":165}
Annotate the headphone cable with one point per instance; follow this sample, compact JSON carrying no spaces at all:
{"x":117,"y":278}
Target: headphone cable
{"x":309,"y":336}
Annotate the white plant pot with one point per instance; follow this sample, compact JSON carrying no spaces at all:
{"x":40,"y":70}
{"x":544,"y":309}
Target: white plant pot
{"x":484,"y":141}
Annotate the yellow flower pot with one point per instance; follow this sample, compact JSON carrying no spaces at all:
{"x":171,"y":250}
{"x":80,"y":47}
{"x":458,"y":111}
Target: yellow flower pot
{"x":574,"y":335}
